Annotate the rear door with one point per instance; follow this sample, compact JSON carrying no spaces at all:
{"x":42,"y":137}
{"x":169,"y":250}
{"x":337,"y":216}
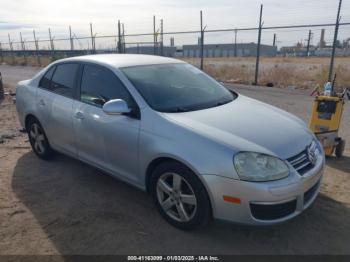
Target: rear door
{"x":55,"y":103}
{"x":107,"y":141}
{"x":44,"y":100}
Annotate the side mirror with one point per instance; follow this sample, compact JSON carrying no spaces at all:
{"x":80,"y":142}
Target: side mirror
{"x":116,"y":107}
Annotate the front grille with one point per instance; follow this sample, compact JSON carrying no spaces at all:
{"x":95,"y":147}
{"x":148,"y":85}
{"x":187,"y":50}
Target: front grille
{"x":271,"y":212}
{"x":310,"y":193}
{"x":301,"y":162}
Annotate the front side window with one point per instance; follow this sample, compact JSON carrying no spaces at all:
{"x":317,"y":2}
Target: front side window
{"x":63,"y":79}
{"x":45,"y":81}
{"x":177,"y":87}
{"x":99,"y":85}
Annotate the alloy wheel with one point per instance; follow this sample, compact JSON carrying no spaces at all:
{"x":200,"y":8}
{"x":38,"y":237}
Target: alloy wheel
{"x":176,"y":197}
{"x":37,"y":137}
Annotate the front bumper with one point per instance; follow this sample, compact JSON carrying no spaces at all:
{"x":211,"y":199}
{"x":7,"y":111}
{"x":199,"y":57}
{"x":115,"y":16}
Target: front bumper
{"x":264,"y":203}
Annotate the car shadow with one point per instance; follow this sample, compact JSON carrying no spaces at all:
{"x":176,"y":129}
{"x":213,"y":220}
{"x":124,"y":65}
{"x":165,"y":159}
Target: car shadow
{"x":83,"y":211}
{"x":342,"y":164}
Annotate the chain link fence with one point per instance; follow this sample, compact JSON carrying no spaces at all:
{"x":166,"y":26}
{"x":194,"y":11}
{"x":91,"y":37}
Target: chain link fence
{"x":291,"y":55}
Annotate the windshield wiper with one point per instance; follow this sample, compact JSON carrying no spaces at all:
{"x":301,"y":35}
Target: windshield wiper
{"x":195,"y":107}
{"x":177,"y":110}
{"x":220,"y":103}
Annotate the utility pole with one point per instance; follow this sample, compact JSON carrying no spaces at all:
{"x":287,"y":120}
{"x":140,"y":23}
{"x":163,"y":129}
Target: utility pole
{"x":92,"y":40}
{"x":11,"y":48}
{"x":162,"y":38}
{"x":51,"y":45}
{"x":308,"y":44}
{"x":258,"y":48}
{"x":23,"y":48}
{"x":119,"y":38}
{"x":202,"y":40}
{"x":235,"y":50}
{"x":71,"y":39}
{"x":37,"y":48}
{"x":331,"y":66}
{"x":154,"y":35}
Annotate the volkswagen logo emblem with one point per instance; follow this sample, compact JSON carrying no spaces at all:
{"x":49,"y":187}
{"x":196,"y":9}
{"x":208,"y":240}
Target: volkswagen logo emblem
{"x":311,"y":154}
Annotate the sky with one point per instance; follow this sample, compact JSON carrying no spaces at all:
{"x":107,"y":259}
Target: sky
{"x":178,"y":15}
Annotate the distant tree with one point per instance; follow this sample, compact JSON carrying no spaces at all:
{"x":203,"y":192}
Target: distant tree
{"x":338,"y":44}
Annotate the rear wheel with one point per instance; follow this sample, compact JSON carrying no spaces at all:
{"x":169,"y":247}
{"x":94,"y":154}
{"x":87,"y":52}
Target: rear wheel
{"x":38,"y":139}
{"x":180,"y":196}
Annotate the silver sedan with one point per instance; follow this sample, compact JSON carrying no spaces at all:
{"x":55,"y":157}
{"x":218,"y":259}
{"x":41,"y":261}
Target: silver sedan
{"x":202,"y":151}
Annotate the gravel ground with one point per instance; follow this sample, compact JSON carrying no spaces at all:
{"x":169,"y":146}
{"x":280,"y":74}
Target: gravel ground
{"x":67,"y":207}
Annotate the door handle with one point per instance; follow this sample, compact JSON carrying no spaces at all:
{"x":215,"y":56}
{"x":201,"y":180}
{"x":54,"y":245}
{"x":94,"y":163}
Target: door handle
{"x":79,"y":115}
{"x":41,"y":102}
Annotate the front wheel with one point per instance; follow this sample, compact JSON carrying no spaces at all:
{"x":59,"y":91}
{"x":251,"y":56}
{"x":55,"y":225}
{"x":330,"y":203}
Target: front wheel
{"x":180,"y":196}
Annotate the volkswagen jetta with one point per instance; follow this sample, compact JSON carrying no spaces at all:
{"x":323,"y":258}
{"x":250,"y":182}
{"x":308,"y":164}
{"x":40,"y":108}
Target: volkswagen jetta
{"x":160,"y":124}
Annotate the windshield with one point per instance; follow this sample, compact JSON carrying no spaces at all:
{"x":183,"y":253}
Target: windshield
{"x":177,"y":87}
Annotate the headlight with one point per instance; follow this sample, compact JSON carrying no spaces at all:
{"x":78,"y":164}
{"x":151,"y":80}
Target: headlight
{"x":259,"y":167}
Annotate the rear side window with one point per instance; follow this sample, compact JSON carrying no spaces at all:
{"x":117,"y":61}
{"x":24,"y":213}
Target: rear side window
{"x":45,"y":81}
{"x":63,"y":80}
{"x":99,"y":85}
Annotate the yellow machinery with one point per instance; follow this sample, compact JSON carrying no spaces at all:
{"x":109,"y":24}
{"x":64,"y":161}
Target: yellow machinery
{"x":325,"y":120}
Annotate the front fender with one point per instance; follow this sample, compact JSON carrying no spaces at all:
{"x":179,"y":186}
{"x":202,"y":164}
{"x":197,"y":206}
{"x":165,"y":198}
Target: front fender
{"x":202,"y":155}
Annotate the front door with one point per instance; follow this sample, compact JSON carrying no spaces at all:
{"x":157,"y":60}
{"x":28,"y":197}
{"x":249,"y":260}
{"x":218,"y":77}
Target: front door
{"x":107,"y":141}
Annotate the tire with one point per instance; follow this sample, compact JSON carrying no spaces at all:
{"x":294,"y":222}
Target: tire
{"x":38,"y":140}
{"x":339,"y":150}
{"x":180,"y":196}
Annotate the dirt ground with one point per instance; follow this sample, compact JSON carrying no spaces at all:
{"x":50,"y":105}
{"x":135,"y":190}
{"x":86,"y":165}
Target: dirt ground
{"x":278,"y":71}
{"x":66,"y":207}
{"x":300,"y":72}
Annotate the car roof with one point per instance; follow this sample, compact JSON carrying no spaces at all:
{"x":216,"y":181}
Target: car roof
{"x":123,"y":60}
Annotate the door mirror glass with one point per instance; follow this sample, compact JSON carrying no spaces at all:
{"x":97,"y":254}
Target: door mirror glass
{"x":115,"y":107}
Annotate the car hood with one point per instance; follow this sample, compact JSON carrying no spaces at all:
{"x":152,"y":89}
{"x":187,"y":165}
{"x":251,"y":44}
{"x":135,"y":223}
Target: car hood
{"x":246,"y":124}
